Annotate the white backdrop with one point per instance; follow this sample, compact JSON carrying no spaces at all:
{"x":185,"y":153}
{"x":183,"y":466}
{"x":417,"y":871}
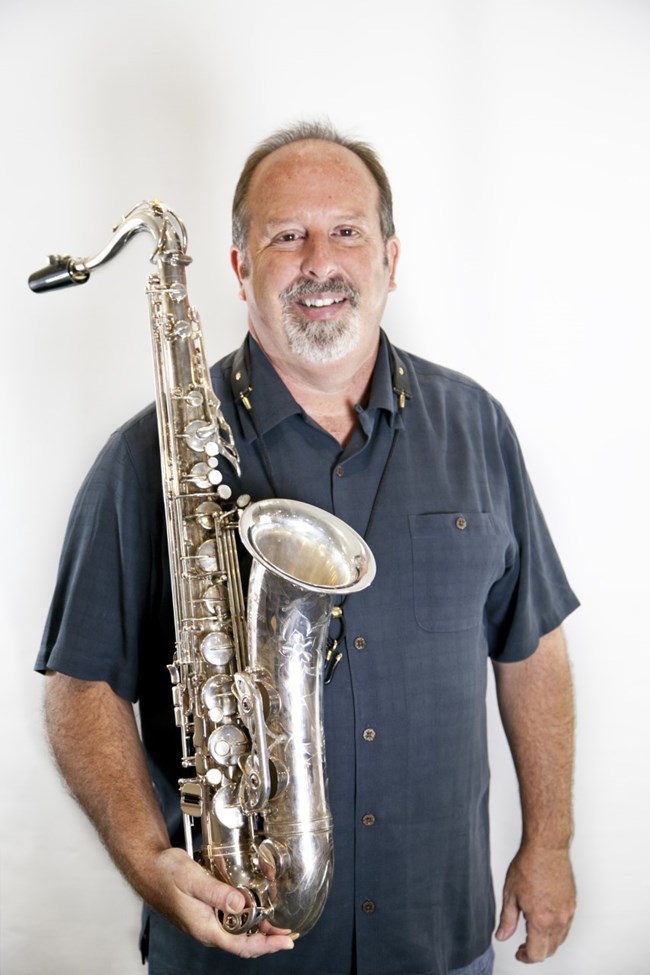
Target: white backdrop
{"x":517,"y":136}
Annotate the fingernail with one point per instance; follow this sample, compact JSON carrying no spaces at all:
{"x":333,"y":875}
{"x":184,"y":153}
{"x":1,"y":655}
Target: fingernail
{"x":235,"y":903}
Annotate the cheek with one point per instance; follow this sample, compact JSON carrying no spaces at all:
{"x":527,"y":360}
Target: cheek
{"x":379,"y":284}
{"x":270,"y":281}
{"x":262,"y":297}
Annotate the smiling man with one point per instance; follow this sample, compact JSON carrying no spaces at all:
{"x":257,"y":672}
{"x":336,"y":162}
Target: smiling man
{"x":425,"y":465}
{"x":315,"y":267}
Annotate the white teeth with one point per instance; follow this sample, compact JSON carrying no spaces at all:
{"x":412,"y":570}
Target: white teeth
{"x":320,"y":302}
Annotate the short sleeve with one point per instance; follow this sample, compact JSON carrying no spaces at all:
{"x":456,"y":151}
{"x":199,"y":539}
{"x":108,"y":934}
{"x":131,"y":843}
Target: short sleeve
{"x":533,"y":596}
{"x":104,"y":607}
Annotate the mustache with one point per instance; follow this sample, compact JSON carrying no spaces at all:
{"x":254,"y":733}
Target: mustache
{"x":307,"y":286}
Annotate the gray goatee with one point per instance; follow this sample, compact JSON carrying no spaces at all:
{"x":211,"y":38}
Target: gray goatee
{"x":324,"y":341}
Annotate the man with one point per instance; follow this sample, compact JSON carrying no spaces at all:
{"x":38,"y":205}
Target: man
{"x":425,"y":464}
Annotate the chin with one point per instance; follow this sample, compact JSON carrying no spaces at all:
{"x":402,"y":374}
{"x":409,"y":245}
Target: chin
{"x":322,"y":342}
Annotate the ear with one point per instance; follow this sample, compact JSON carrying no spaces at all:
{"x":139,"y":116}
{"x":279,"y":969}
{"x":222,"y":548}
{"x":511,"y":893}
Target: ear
{"x":238,"y":262}
{"x":393,"y":250}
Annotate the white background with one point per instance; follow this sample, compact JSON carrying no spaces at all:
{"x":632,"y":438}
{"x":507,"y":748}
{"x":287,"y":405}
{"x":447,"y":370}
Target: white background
{"x":517,"y":137}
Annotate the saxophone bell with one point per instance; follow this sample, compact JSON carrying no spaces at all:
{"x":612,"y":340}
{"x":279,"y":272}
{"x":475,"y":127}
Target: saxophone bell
{"x":307,"y":546}
{"x":304,"y":558}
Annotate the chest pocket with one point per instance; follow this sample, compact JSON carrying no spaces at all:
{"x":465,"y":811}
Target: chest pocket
{"x":456,"y":559}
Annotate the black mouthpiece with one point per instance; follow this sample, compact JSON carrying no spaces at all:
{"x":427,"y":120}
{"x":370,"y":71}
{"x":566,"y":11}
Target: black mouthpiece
{"x":59,"y":273}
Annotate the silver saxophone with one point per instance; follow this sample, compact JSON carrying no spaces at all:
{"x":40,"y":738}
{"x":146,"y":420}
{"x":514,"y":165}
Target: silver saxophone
{"x":247,"y":680}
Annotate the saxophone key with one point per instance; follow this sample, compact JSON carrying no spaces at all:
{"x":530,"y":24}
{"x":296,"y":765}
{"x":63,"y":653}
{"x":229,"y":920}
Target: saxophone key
{"x":227,"y":745}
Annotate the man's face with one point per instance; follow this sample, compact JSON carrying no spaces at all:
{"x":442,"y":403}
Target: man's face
{"x":317,"y":272}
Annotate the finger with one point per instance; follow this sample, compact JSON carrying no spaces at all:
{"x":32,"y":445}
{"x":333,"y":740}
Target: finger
{"x":541,"y":944}
{"x":522,"y":955}
{"x":255,"y":945}
{"x":267,"y":928}
{"x":508,"y":920}
{"x":218,"y":895}
{"x":530,"y":953}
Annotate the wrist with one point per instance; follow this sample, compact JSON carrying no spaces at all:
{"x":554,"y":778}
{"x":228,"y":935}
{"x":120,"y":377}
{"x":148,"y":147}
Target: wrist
{"x":546,"y":835}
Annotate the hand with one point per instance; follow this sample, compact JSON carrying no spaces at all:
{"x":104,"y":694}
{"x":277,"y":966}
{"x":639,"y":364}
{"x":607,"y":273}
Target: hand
{"x":190,"y":897}
{"x":540,"y":884}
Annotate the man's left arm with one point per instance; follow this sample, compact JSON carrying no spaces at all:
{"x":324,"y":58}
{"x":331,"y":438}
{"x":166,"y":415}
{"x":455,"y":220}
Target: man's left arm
{"x":536,"y":704}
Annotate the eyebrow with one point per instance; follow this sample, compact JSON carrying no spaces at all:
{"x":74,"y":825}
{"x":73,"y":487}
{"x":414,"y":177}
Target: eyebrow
{"x":276,"y":222}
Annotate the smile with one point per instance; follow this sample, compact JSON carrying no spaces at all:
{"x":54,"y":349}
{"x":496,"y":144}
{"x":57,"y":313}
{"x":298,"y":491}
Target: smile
{"x":320,"y":302}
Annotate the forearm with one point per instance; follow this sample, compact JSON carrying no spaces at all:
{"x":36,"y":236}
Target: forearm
{"x":95,"y":740}
{"x":96,"y":743}
{"x":536,"y":705}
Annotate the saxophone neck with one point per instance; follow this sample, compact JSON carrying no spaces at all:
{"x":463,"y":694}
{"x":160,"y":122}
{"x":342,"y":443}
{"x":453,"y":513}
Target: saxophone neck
{"x":153,"y":217}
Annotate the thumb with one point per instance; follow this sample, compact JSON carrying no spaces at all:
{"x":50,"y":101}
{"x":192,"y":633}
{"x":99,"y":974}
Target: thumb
{"x":509,"y":918}
{"x":219,"y":895}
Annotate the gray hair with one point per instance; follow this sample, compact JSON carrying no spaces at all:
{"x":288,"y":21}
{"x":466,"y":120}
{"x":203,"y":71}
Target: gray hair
{"x":300,"y":131}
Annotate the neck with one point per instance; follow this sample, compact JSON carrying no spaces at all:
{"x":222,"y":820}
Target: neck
{"x":329,"y":392}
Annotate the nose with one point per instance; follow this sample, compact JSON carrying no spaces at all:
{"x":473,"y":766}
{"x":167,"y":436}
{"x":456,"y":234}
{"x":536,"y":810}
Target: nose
{"x":319,"y":259}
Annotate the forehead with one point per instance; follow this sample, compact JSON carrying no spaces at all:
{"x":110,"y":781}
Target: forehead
{"x":311,"y":175}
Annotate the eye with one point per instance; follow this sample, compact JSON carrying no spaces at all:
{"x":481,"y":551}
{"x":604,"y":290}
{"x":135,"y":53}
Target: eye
{"x":346,"y":232}
{"x":287,"y":237}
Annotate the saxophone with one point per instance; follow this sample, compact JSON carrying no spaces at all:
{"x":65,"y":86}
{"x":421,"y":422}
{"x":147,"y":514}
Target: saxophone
{"x":247,"y":679}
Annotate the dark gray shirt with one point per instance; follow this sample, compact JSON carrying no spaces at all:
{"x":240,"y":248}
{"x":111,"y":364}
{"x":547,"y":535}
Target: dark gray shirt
{"x":466,"y":570}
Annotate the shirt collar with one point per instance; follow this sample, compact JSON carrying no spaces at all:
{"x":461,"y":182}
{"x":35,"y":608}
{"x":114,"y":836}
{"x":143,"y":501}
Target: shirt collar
{"x":382,"y":396}
{"x":269,"y":397}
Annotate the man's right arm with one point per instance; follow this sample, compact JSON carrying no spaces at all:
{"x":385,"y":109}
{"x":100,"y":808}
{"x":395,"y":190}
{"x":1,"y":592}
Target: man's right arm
{"x":95,"y":740}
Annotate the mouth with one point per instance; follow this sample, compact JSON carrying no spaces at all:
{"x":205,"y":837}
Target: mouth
{"x":320,"y":307}
{"x":320,"y":301}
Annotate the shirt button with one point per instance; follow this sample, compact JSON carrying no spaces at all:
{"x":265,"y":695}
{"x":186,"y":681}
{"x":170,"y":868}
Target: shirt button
{"x":461,"y":523}
{"x":368,"y":907}
{"x":369,"y":734}
{"x":360,"y":643}
{"x":340,"y":471}
{"x":368,"y":819}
